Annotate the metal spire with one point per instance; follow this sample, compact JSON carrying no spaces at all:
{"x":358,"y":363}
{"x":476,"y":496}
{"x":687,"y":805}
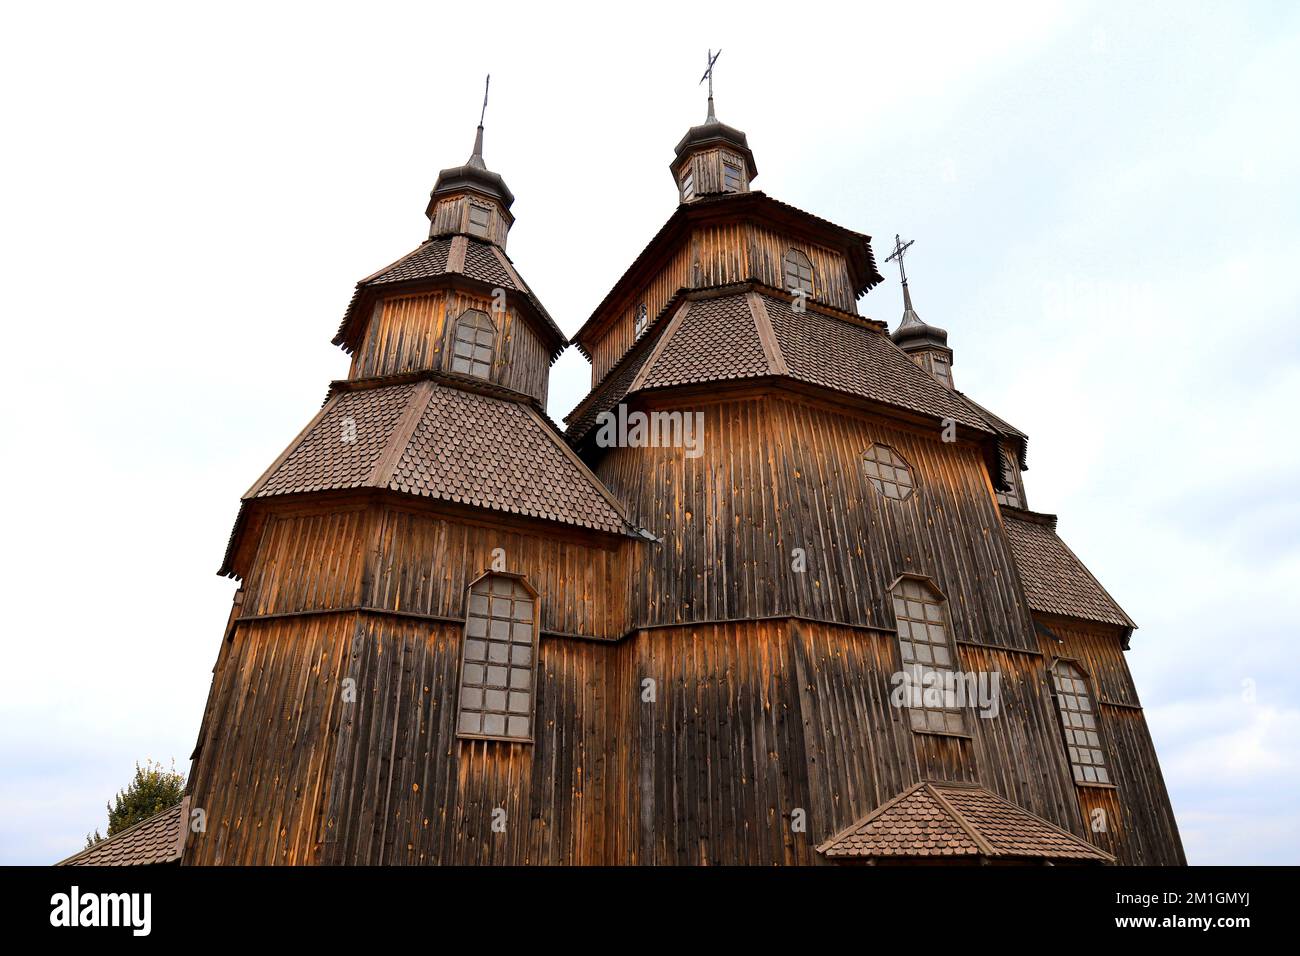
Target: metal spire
{"x":900,"y":248}
{"x":708,"y":75}
{"x":476,"y":157}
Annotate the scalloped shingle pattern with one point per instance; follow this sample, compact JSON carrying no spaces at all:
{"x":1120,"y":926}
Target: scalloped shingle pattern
{"x":475,"y":450}
{"x":343,"y":448}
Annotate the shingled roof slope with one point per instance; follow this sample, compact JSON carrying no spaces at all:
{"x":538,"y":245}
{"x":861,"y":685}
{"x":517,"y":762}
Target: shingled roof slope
{"x":852,"y":358}
{"x":1055,"y":580}
{"x":156,"y":839}
{"x":440,"y":441}
{"x":719,"y":340}
{"x":956,"y":820}
{"x":433,"y":258}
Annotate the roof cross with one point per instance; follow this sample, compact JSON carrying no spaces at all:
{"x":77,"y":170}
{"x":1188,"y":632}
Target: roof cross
{"x":708,"y":74}
{"x":486,"y":84}
{"x":900,"y":247}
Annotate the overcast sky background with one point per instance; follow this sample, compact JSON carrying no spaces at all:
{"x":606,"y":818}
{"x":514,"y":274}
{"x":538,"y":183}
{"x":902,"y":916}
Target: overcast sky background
{"x":1107,"y":221}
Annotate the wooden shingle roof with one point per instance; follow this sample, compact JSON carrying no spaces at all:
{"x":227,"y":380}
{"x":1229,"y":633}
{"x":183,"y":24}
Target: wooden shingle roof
{"x":957,"y":821}
{"x":436,"y":440}
{"x":456,"y":256}
{"x":156,"y":839}
{"x":1055,"y":580}
{"x":751,"y":333}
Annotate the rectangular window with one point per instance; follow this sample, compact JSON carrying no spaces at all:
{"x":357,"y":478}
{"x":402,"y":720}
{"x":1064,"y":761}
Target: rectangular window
{"x":929,"y":661}
{"x":480,"y":221}
{"x":1010,"y":497}
{"x":499,"y":660}
{"x":1079,"y":724}
{"x":688,"y":186}
{"x":940,"y":369}
{"x":730,"y":178}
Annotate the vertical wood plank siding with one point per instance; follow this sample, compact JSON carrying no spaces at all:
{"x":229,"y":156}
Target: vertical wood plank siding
{"x":720,"y":255}
{"x":1140,"y":828}
{"x":411,"y":332}
{"x":750,"y":719}
{"x":778,"y":475}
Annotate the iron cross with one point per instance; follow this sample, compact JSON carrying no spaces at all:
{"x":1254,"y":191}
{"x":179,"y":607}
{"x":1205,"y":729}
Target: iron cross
{"x":708,"y":74}
{"x":900,"y":248}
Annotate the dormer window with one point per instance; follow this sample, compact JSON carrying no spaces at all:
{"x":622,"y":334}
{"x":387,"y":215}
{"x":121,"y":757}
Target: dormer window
{"x":731,"y":178}
{"x":642,"y":320}
{"x":688,"y":186}
{"x":474,"y":345}
{"x":798,"y":272}
{"x":480,"y":221}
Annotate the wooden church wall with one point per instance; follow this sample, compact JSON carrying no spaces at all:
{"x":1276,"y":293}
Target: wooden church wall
{"x":777,"y":475}
{"x":411,"y":332}
{"x":718,"y":255}
{"x":424,"y":563}
{"x":411,"y":792}
{"x":749,"y":723}
{"x":262,"y":786}
{"x":420,"y":561}
{"x":831,"y":283}
{"x":1138,"y":819}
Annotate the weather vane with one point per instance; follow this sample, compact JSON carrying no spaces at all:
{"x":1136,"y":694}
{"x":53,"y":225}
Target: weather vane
{"x":900,"y":248}
{"x":486,"y":84}
{"x":708,"y":74}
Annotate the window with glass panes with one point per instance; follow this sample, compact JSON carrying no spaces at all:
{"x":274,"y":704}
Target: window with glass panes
{"x":926,"y":649}
{"x":1079,"y":724}
{"x":498,"y":660}
{"x":474,"y":344}
{"x":891,"y":475}
{"x":480,"y":220}
{"x":798,"y":271}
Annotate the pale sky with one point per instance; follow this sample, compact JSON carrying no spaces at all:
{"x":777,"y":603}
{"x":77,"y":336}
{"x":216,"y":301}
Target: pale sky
{"x":1107,"y":221}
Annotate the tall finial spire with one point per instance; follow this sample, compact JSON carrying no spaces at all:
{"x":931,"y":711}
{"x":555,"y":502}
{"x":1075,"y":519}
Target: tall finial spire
{"x":926,"y":344}
{"x":900,"y":248}
{"x":476,"y":157}
{"x":708,"y":75}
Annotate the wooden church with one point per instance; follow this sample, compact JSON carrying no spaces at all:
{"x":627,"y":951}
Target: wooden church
{"x":774,"y":596}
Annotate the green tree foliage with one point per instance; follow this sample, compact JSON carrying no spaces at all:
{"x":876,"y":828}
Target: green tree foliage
{"x":152,"y":790}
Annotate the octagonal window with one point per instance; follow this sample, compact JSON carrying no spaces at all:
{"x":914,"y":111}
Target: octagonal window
{"x":887,"y":470}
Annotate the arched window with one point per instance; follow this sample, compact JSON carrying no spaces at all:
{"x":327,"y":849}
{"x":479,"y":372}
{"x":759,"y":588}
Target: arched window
{"x":934,"y":697}
{"x":498,"y":660}
{"x":642,"y":319}
{"x":888,"y":472}
{"x":1079,"y":724}
{"x":475,"y":344}
{"x":798,"y":272}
